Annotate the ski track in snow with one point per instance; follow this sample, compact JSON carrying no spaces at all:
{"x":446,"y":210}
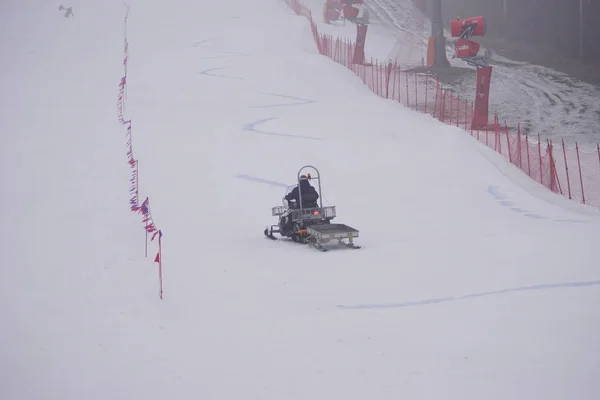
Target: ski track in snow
{"x":505,"y":201}
{"x":262,"y":180}
{"x":201,"y":43}
{"x":470,"y":296}
{"x":209,"y":70}
{"x":227,"y":54}
{"x":300,"y":100}
{"x":251,"y":127}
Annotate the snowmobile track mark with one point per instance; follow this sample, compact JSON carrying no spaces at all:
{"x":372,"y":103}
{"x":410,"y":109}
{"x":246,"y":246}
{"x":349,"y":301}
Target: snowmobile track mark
{"x":407,"y":304}
{"x":251,"y":128}
{"x":208,"y":72}
{"x":300,"y":100}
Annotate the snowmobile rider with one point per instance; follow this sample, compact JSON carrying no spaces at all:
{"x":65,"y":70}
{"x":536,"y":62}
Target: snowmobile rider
{"x":309,"y":194}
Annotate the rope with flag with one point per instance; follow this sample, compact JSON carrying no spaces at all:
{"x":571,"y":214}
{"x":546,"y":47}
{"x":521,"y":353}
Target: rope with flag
{"x":134,"y":190}
{"x":150,"y":227}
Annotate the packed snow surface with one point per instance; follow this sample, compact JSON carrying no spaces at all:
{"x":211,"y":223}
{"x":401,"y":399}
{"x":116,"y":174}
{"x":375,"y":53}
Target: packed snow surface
{"x":472,"y":282}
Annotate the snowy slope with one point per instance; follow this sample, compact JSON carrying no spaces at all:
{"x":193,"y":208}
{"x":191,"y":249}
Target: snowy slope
{"x":541,"y":99}
{"x":473,"y":281}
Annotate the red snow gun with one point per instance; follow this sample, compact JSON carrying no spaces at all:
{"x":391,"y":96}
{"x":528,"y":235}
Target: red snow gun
{"x":355,"y":11}
{"x":332,"y":10}
{"x":466,"y":49}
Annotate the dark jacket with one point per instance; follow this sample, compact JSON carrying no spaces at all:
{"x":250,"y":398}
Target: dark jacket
{"x":309,"y":195}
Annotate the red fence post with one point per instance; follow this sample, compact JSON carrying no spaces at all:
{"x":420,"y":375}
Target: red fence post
{"x":580,"y":175}
{"x":472,"y":111}
{"x":451,"y":107}
{"x":556,"y":181}
{"x":400,"y":87}
{"x":394,"y":81}
{"x":388,"y":76}
{"x":364,"y":72}
{"x":497,"y":134}
{"x":335,"y":50}
{"x":407,"y":94}
{"x":528,"y":157}
{"x":519,"y":148}
{"x":508,"y":143}
{"x":540,"y":155}
{"x":426,"y":89}
{"x":566,"y":168}
{"x":347,"y":54}
{"x":383,"y":71}
{"x":372,"y":75}
{"x":377,"y":78}
{"x":466,"y":113}
{"x":437,"y":91}
{"x":350,"y":54}
{"x":416,"y":93}
{"x":443,"y":106}
{"x":160,"y":258}
{"x":458,"y":110}
{"x":385,"y":81}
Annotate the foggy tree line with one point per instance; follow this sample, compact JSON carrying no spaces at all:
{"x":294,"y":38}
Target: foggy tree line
{"x":553,"y":24}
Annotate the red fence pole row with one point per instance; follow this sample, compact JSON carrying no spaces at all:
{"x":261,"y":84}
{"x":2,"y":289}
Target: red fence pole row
{"x":390,"y":82}
{"x":144,"y":208}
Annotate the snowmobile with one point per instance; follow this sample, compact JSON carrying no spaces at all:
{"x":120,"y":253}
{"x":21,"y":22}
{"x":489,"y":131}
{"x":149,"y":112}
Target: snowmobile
{"x":310,"y":225}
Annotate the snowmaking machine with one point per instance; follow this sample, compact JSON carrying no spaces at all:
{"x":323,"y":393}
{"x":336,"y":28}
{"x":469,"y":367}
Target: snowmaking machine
{"x":332,"y":11}
{"x":466,"y":49}
{"x":309,"y":222}
{"x":351,"y":10}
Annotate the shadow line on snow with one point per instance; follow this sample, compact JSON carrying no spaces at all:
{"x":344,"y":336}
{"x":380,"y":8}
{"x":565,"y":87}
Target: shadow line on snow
{"x":469,"y":296}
